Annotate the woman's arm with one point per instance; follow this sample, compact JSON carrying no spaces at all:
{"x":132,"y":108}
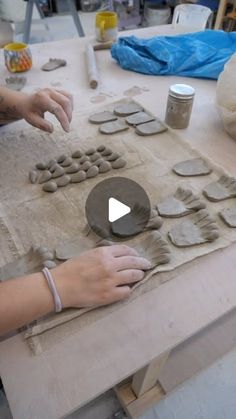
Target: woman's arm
{"x":32,"y":107}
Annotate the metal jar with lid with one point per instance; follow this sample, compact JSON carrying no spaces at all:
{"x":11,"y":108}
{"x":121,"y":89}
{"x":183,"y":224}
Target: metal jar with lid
{"x":179,"y":105}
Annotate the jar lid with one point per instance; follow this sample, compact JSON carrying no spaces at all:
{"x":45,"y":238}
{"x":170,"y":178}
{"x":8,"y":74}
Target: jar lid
{"x":182,"y":91}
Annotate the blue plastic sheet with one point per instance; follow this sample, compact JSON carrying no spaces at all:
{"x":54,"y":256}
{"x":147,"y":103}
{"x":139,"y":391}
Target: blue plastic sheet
{"x":199,"y":54}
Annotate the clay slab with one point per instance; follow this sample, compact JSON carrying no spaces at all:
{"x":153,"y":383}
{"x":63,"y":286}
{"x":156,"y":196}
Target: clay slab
{"x":150,"y":128}
{"x":224,"y":188}
{"x":183,"y":202}
{"x":53,"y":64}
{"x":193,"y":167}
{"x":228,"y":215}
{"x":100,"y":117}
{"x":126,"y":109}
{"x":139,"y":118}
{"x":113,"y":127}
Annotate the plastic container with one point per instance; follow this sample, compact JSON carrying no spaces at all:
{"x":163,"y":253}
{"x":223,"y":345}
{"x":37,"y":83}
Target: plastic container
{"x":156,"y":14}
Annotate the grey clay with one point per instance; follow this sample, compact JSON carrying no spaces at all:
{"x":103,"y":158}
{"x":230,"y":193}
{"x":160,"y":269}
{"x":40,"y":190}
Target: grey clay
{"x":40,"y":166}
{"x":78,"y":177}
{"x":45,"y":176}
{"x":92,"y":172}
{"x":73,"y":168}
{"x":76,"y":154}
{"x":63,"y":180}
{"x":50,"y":186}
{"x":58,"y":172}
{"x":118,"y":164}
{"x":33,"y":176}
{"x":105,"y":167}
{"x":67,"y":162}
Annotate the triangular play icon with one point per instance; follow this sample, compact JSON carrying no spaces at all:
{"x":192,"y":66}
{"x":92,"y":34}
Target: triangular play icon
{"x":116,"y":209}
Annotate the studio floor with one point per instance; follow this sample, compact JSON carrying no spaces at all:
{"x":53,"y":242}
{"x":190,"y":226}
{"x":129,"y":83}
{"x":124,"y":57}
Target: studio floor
{"x":209,"y":395}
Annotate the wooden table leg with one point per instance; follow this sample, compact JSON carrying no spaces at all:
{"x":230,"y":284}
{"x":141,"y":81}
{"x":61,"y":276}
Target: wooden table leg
{"x":220,"y":14}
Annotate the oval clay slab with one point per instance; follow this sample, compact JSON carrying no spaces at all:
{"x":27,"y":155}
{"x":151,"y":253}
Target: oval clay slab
{"x":100,"y":117}
{"x":125,"y":109}
{"x":113,"y":127}
{"x":139,"y":118}
{"x":192,"y":167}
{"x":150,"y":128}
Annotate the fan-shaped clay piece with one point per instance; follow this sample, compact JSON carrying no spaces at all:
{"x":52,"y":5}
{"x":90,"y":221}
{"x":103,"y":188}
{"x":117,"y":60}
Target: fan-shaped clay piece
{"x":193,"y":167}
{"x":77,"y":154}
{"x":197,"y":229}
{"x":224,"y":188}
{"x":67,"y":162}
{"x":50,"y":186}
{"x":113,"y":127}
{"x":61,"y":158}
{"x":53,"y":64}
{"x":106,"y":152}
{"x":90,"y":151}
{"x":113,"y":156}
{"x":100,"y":117}
{"x":130,"y":228}
{"x":41,"y":166}
{"x":118,"y":164}
{"x":63,"y":180}
{"x":228,"y":215}
{"x":154,"y":248}
{"x":104,"y":167}
{"x":15,"y":82}
{"x":95,"y":156}
{"x":101,"y":148}
{"x":73,"y":168}
{"x":45,"y":176}
{"x":183,"y":202}
{"x":125,"y":109}
{"x":78,"y":177}
{"x":92,"y":172}
{"x":33,"y":176}
{"x":59,"y":171}
{"x":150,"y":128}
{"x":139,"y":118}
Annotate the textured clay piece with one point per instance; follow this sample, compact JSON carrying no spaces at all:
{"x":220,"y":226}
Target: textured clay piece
{"x":154,"y":248}
{"x":228,"y":215}
{"x":183,"y":202}
{"x":101,"y":148}
{"x":95,"y":156}
{"x":41,"y":166}
{"x":61,"y":158}
{"x":110,"y":128}
{"x":83,"y":159}
{"x":140,"y":215}
{"x":100,"y":117}
{"x":53,"y":64}
{"x":155,"y":222}
{"x":73,"y":168}
{"x":63,"y":180}
{"x":98,"y":162}
{"x":50,"y":187}
{"x":92,"y":172}
{"x":197,"y":229}
{"x":90,"y":151}
{"x":78,"y":177}
{"x":86,"y":165}
{"x":50,"y":264}
{"x":139,"y":118}
{"x":150,"y":128}
{"x":33,"y":176}
{"x":224,"y":188}
{"x":45,"y":176}
{"x":77,"y":154}
{"x":104,"y":167}
{"x":59,"y":171}
{"x":193,"y":167}
{"x":15,"y":82}
{"x":106,"y":152}
{"x":118,"y":164}
{"x":67,"y":162}
{"x":113,"y":156}
{"x":126,"y":109}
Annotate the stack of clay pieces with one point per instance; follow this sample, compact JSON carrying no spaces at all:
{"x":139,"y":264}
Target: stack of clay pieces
{"x":125,"y":115}
{"x":75,"y":168}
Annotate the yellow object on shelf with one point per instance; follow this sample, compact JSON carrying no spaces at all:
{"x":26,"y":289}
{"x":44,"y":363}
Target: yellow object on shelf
{"x":18,"y":57}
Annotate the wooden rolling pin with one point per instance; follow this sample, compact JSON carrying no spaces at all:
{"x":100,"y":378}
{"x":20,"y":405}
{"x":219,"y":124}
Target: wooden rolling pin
{"x":91,"y":66}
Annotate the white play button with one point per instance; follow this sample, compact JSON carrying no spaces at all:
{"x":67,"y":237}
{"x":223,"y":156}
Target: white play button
{"x":116,"y":209}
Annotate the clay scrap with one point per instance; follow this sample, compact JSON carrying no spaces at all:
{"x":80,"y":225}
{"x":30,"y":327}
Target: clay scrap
{"x":222,"y":189}
{"x":75,"y":168}
{"x":228,"y":215}
{"x":192,"y":167}
{"x":53,"y":64}
{"x":197,"y":229}
{"x":151,"y":128}
{"x":113,"y":127}
{"x":15,"y":82}
{"x":183,"y":202}
{"x":126,"y":109}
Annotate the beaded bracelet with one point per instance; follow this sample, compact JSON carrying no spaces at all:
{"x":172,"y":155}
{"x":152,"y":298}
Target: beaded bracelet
{"x":52,"y":287}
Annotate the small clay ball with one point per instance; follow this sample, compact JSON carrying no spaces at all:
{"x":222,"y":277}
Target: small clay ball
{"x":49,"y":264}
{"x":92,"y":172}
{"x":105,"y":167}
{"x":98,"y":162}
{"x":106,"y":152}
{"x":76,"y":154}
{"x":118,"y":164}
{"x":73,"y":168}
{"x":90,"y":151}
{"x":86,"y":165}
{"x":53,"y":167}
{"x":101,"y":148}
{"x":51,"y":163}
{"x":50,"y":187}
{"x":78,"y":177}
{"x":45,"y":176}
{"x":40,"y":166}
{"x":83,"y":159}
{"x":33,"y":176}
{"x":63,"y":180}
{"x":61,"y":158}
{"x":67,"y":162}
{"x":113,"y":156}
{"x":59,"y":171}
{"x":47,"y":255}
{"x":41,"y":250}
{"x":95,"y":156}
